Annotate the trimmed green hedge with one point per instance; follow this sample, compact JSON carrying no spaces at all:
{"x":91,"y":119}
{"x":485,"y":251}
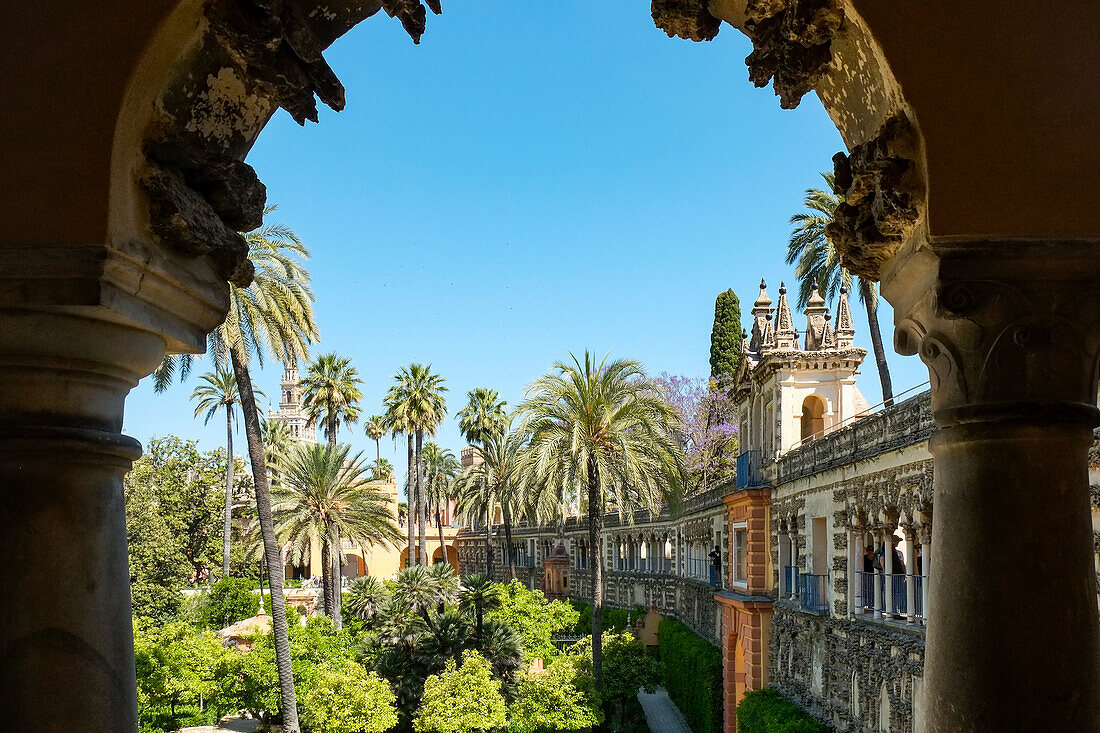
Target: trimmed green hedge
{"x":766,"y":711}
{"x":692,"y":675}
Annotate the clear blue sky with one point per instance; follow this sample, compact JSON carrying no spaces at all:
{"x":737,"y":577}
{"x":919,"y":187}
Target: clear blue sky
{"x":533,"y":179}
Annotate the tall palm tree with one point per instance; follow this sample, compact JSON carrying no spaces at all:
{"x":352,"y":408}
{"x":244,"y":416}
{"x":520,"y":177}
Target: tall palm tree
{"x":375,"y":429}
{"x":482,"y":416}
{"x":273,"y":315}
{"x":478,"y":596}
{"x":218,"y":391}
{"x":366,"y":596}
{"x":382,"y":469}
{"x":418,"y":396}
{"x":397,"y":423}
{"x":497,"y":480}
{"x":330,"y":393}
{"x":326,"y":496}
{"x":819,"y":265}
{"x":441,"y":469}
{"x":607,"y":426}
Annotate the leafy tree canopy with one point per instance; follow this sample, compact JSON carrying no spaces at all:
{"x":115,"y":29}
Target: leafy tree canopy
{"x":461,"y":699}
{"x":725,"y":337}
{"x":563,"y":697}
{"x":174,"y":502}
{"x":535,"y":618}
{"x":348,"y":699}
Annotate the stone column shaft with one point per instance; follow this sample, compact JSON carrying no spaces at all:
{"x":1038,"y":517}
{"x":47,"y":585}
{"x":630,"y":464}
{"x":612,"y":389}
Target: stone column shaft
{"x":1010,"y":332}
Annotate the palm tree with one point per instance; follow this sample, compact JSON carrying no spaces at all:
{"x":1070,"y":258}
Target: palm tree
{"x":278,"y":444}
{"x":382,"y":469}
{"x":397,"y":423}
{"x":606,"y":426}
{"x":479,"y":595}
{"x":441,"y":469}
{"x":482,"y":416}
{"x":331,"y":393}
{"x":366,"y":596}
{"x":498,"y":479}
{"x":326,"y":497}
{"x":273,"y":315}
{"x":375,"y":429}
{"x":418,"y":396}
{"x":819,"y":265}
{"x":218,"y":391}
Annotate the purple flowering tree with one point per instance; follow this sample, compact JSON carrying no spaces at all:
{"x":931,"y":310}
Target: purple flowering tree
{"x":709,"y":436}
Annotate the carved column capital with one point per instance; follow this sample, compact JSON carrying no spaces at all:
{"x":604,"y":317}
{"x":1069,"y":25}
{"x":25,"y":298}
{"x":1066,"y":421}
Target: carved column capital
{"x":1008,"y":330}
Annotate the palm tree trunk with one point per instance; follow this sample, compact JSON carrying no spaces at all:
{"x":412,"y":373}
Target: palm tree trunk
{"x":272,"y":552}
{"x":870,"y":303}
{"x":509,"y":551}
{"x":326,"y":575}
{"x":421,"y":519}
{"x":337,"y":580}
{"x":227,"y":520}
{"x":377,"y":452}
{"x":489,"y":539}
{"x":595,"y":527}
{"x":331,"y":425}
{"x":410,"y":512}
{"x":439,"y":523}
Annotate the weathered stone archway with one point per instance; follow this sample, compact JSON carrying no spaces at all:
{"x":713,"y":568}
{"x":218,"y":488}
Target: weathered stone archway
{"x":969,"y":182}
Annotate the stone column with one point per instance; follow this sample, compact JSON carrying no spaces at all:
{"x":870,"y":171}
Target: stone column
{"x":910,"y":577}
{"x":1010,"y":332}
{"x":793,"y":534}
{"x":888,"y":568}
{"x":926,"y":566}
{"x":877,"y":602}
{"x":66,"y":645}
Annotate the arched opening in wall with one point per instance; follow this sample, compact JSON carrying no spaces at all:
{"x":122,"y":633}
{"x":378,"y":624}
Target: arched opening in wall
{"x":884,"y":709}
{"x":817,"y":670}
{"x":813,"y":417}
{"x":452,"y":557}
{"x":854,"y":706}
{"x":739,"y":670}
{"x":353,"y":566}
{"x":404,"y":562}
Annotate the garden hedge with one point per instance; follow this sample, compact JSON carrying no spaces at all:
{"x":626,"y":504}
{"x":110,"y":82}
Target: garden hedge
{"x":766,"y":711}
{"x":613,"y":619}
{"x":692,"y":675}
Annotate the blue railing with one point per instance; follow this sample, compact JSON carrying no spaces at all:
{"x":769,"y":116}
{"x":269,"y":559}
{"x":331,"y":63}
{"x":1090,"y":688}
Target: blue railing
{"x":790,"y":580}
{"x":525,"y":562}
{"x":813,"y":593}
{"x":748,"y":469}
{"x":697,"y":568}
{"x":918,"y":596}
{"x":896,"y":582}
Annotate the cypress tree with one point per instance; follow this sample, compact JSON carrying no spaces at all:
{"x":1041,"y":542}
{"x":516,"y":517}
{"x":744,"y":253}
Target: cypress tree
{"x":725,"y":337}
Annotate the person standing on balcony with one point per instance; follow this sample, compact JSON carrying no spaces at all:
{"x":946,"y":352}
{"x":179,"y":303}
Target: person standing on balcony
{"x":868,"y":580}
{"x":715,"y":565}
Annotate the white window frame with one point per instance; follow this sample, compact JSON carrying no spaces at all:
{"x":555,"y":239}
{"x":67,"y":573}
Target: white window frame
{"x":743,"y":565}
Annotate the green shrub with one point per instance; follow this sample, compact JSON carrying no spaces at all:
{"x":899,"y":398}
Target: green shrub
{"x":562,"y":698}
{"x":533,"y":617}
{"x":347,"y":699}
{"x":766,"y":711}
{"x":692,"y":675}
{"x":228,"y":601}
{"x":461,"y":700}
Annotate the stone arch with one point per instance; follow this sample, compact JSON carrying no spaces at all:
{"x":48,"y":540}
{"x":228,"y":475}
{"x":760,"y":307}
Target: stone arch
{"x":813,"y":417}
{"x":452,"y":557}
{"x":884,"y":709}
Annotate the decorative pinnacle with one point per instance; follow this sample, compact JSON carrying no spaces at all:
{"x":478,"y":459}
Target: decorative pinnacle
{"x":763,"y":285}
{"x":843,"y":290}
{"x":782,"y":288}
{"x":828,"y":316}
{"x":768,"y":316}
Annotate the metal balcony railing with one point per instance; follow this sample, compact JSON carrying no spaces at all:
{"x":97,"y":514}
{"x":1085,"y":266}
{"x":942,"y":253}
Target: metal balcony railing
{"x":748,"y":469}
{"x":813,"y":593}
{"x":790,"y":580}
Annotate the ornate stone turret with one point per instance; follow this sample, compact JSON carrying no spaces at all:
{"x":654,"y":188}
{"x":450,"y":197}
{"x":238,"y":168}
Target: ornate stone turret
{"x":290,"y":407}
{"x":786,"y":335}
{"x":828,"y":338}
{"x":845,"y":332}
{"x":769,"y":334}
{"x":816,"y":320}
{"x":761,"y":312}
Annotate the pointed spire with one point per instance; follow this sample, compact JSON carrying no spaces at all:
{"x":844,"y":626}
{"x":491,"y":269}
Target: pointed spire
{"x":845,"y":332}
{"x":816,"y":315}
{"x":828,"y":338}
{"x":760,"y":309}
{"x":786,"y":335}
{"x":769,"y":333}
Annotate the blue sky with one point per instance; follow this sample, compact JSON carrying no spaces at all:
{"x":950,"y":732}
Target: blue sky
{"x":532,"y":180}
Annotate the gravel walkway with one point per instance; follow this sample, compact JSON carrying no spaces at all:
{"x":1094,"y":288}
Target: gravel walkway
{"x":661,"y":713}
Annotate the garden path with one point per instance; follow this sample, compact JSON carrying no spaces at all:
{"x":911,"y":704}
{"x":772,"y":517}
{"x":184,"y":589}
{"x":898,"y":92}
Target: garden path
{"x":661,"y":713}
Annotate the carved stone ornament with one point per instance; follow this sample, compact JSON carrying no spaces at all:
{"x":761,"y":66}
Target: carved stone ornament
{"x":791,"y":42}
{"x":255,"y":56}
{"x":878,"y":182}
{"x":1011,"y":330}
{"x":688,"y":19}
